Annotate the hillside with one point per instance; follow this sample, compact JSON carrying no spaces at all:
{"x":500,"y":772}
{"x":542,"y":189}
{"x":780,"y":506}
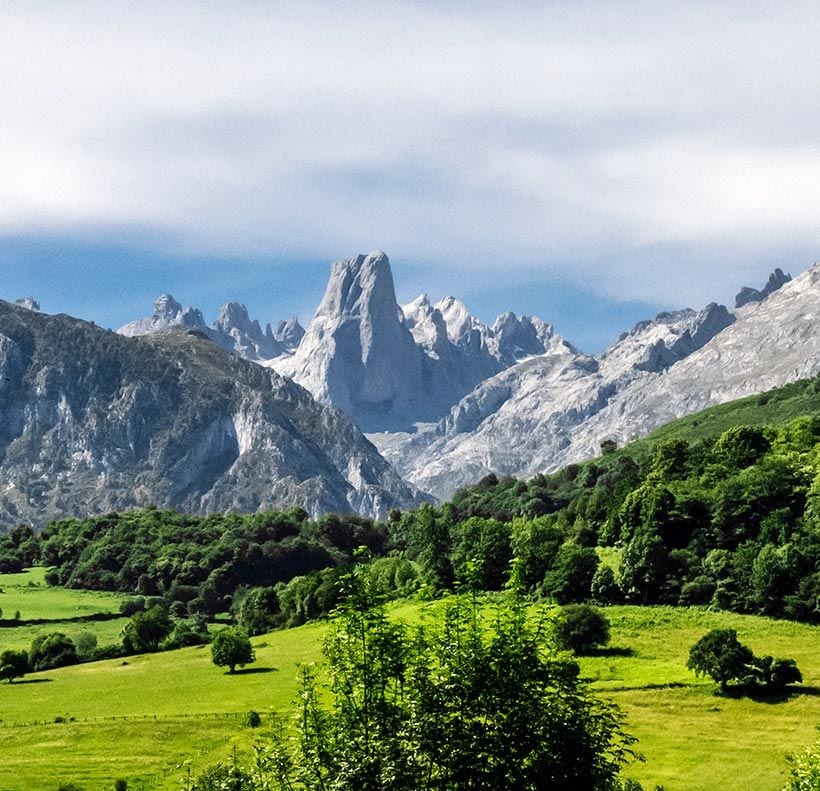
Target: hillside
{"x":95,"y":422}
{"x":552,"y":410}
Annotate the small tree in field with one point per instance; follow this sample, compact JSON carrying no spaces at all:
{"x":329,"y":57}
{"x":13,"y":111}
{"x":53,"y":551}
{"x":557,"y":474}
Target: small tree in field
{"x":231,"y":647}
{"x":722,"y":656}
{"x":581,"y":628}
{"x":13,"y":664}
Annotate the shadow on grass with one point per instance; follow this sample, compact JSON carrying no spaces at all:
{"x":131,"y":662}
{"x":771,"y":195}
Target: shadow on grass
{"x":613,"y":650}
{"x":29,"y":681}
{"x":774,"y":696}
{"x":249,"y":671}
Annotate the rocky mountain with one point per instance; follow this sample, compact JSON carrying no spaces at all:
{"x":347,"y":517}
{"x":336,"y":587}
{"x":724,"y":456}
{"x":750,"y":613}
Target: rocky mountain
{"x":392,"y":367}
{"x":91,"y":421}
{"x":233,"y":329}
{"x":747,"y":295}
{"x":551,"y":410}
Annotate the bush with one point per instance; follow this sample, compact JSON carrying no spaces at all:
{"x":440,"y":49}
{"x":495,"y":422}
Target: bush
{"x":805,"y":769}
{"x":581,"y":628}
{"x":49,"y":651}
{"x":252,"y":719}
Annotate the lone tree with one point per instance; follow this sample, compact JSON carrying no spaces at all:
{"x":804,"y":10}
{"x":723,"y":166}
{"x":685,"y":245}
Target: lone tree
{"x":13,"y":664}
{"x":231,"y":647}
{"x":581,"y":628}
{"x":722,"y":656}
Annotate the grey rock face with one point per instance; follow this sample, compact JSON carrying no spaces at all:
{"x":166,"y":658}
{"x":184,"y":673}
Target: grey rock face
{"x":392,"y":367}
{"x":289,"y":334}
{"x":233,"y":329}
{"x":91,"y":421}
{"x":551,"y":410}
{"x":357,"y":354}
{"x":746,"y":295}
{"x":28,"y":303}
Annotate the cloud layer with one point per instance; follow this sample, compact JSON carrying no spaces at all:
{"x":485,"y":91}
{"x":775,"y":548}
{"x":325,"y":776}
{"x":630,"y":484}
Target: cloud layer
{"x":657,"y":155}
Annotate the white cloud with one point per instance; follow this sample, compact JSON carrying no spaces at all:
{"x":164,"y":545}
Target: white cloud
{"x":524,"y":137}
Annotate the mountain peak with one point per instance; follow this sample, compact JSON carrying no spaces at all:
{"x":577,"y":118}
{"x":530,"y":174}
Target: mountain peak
{"x":29,"y":303}
{"x":166,"y":307}
{"x":746,"y":295}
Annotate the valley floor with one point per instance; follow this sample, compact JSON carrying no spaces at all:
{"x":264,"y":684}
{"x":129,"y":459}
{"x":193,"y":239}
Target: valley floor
{"x":142,"y":718}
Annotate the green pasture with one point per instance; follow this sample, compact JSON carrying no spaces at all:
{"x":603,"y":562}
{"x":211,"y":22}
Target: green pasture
{"x":28,"y":594}
{"x":142,"y":717}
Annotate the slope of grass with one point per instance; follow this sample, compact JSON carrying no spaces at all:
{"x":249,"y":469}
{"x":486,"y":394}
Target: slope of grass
{"x":30,"y":595}
{"x":692,"y":739}
{"x":772,"y":408}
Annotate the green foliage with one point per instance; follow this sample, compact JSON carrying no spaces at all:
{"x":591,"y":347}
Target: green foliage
{"x":52,"y":650}
{"x":481,"y":553}
{"x":581,"y":628}
{"x":146,"y":630}
{"x":258,"y":610}
{"x":13,"y":664}
{"x":231,"y":647}
{"x":570,"y":579}
{"x":722,"y":656}
{"x":804,"y":770}
{"x":86,"y":643}
{"x":448,"y":705}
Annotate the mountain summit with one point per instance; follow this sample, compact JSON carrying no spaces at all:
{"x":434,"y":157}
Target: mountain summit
{"x":391,"y":367}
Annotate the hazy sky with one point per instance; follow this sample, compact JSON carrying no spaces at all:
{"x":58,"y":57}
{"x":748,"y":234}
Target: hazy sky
{"x":588,"y":162}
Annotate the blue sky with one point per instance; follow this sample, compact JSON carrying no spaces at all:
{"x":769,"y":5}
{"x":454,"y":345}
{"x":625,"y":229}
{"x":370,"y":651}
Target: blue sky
{"x":589,"y":162}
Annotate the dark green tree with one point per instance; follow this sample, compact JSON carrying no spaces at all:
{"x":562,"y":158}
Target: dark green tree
{"x":146,"y":630}
{"x":570,"y":579}
{"x":581,"y":628}
{"x":722,"y":656}
{"x":13,"y":664}
{"x":231,"y":647}
{"x":52,"y":650}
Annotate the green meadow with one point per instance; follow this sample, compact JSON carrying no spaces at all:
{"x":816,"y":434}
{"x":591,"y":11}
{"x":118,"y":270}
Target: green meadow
{"x":147,"y":718}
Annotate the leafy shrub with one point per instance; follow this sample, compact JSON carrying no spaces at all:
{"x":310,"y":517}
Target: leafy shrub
{"x":581,"y":628}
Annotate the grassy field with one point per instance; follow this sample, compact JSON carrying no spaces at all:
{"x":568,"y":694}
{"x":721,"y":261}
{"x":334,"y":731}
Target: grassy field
{"x":141,"y":717}
{"x":63,"y":609}
{"x":28,"y":594}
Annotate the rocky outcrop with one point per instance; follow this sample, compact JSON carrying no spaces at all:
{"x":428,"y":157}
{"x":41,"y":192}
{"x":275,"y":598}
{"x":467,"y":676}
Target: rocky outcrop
{"x":551,"y":410}
{"x":93,"y":421}
{"x":747,"y":295}
{"x":28,"y":303}
{"x":393,"y":367}
{"x":233,"y":329}
{"x":288,"y":334}
{"x":358,"y":355}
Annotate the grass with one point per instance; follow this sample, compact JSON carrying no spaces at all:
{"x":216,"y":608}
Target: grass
{"x":773,"y":408}
{"x":29,"y":594}
{"x":691,"y":738}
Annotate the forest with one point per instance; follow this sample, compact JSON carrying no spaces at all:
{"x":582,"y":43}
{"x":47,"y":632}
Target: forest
{"x":730,"y":520}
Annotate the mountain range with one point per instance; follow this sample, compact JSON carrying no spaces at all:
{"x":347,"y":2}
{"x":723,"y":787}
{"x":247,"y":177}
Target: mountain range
{"x":255,"y":417}
{"x":94,"y":422}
